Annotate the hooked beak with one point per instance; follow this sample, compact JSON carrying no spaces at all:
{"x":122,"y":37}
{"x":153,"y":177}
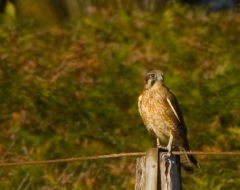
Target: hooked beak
{"x":160,"y":78}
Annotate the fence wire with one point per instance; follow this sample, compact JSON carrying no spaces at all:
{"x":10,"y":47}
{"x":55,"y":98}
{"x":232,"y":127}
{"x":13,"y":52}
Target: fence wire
{"x":118,"y":155}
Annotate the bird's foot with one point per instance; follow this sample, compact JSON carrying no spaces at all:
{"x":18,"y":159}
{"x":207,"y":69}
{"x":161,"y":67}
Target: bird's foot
{"x":168,"y":148}
{"x":162,"y":147}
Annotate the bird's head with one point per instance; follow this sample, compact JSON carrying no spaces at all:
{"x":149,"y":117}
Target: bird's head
{"x":153,"y":77}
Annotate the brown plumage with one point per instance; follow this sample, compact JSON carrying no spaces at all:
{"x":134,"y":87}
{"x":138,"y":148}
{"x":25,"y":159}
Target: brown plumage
{"x":162,"y":117}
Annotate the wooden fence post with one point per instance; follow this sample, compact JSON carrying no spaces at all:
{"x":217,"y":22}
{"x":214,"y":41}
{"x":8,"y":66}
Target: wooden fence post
{"x":158,"y":171}
{"x":170,"y":171}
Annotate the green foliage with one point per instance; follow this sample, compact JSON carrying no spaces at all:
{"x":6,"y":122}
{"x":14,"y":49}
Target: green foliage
{"x":72,"y":91}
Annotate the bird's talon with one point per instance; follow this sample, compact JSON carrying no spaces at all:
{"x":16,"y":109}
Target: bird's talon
{"x":162,"y":147}
{"x":169,"y":152}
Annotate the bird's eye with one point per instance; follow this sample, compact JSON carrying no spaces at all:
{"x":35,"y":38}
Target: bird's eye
{"x":152,"y":75}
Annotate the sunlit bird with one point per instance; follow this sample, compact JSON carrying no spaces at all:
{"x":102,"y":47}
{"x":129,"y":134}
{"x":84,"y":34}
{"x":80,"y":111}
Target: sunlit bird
{"x":163,"y":118}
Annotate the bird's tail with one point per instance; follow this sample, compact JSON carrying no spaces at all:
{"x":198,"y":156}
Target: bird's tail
{"x":187,"y":160}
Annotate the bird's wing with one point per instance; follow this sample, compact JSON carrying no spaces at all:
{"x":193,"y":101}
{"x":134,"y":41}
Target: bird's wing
{"x":173,"y":109}
{"x":173,"y":104}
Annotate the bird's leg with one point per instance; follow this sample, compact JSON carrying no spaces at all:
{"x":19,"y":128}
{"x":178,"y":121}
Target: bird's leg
{"x":158,"y":142}
{"x":169,"y":146}
{"x":159,"y":146}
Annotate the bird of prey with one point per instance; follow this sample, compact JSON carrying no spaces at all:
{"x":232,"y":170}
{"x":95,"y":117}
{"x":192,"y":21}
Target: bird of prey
{"x":163,"y":118}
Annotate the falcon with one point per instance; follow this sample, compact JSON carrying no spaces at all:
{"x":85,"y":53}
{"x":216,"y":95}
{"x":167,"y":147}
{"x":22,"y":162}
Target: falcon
{"x":162,"y":116}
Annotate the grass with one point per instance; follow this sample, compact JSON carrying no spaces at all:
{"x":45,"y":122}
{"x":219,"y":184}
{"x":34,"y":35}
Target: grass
{"x":71,"y":90}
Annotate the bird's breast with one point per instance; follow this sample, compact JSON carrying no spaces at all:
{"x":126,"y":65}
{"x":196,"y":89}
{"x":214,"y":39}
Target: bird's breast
{"x":154,"y":111}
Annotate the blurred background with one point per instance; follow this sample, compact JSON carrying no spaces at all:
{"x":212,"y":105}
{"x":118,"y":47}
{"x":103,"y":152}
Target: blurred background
{"x":71,"y":72}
